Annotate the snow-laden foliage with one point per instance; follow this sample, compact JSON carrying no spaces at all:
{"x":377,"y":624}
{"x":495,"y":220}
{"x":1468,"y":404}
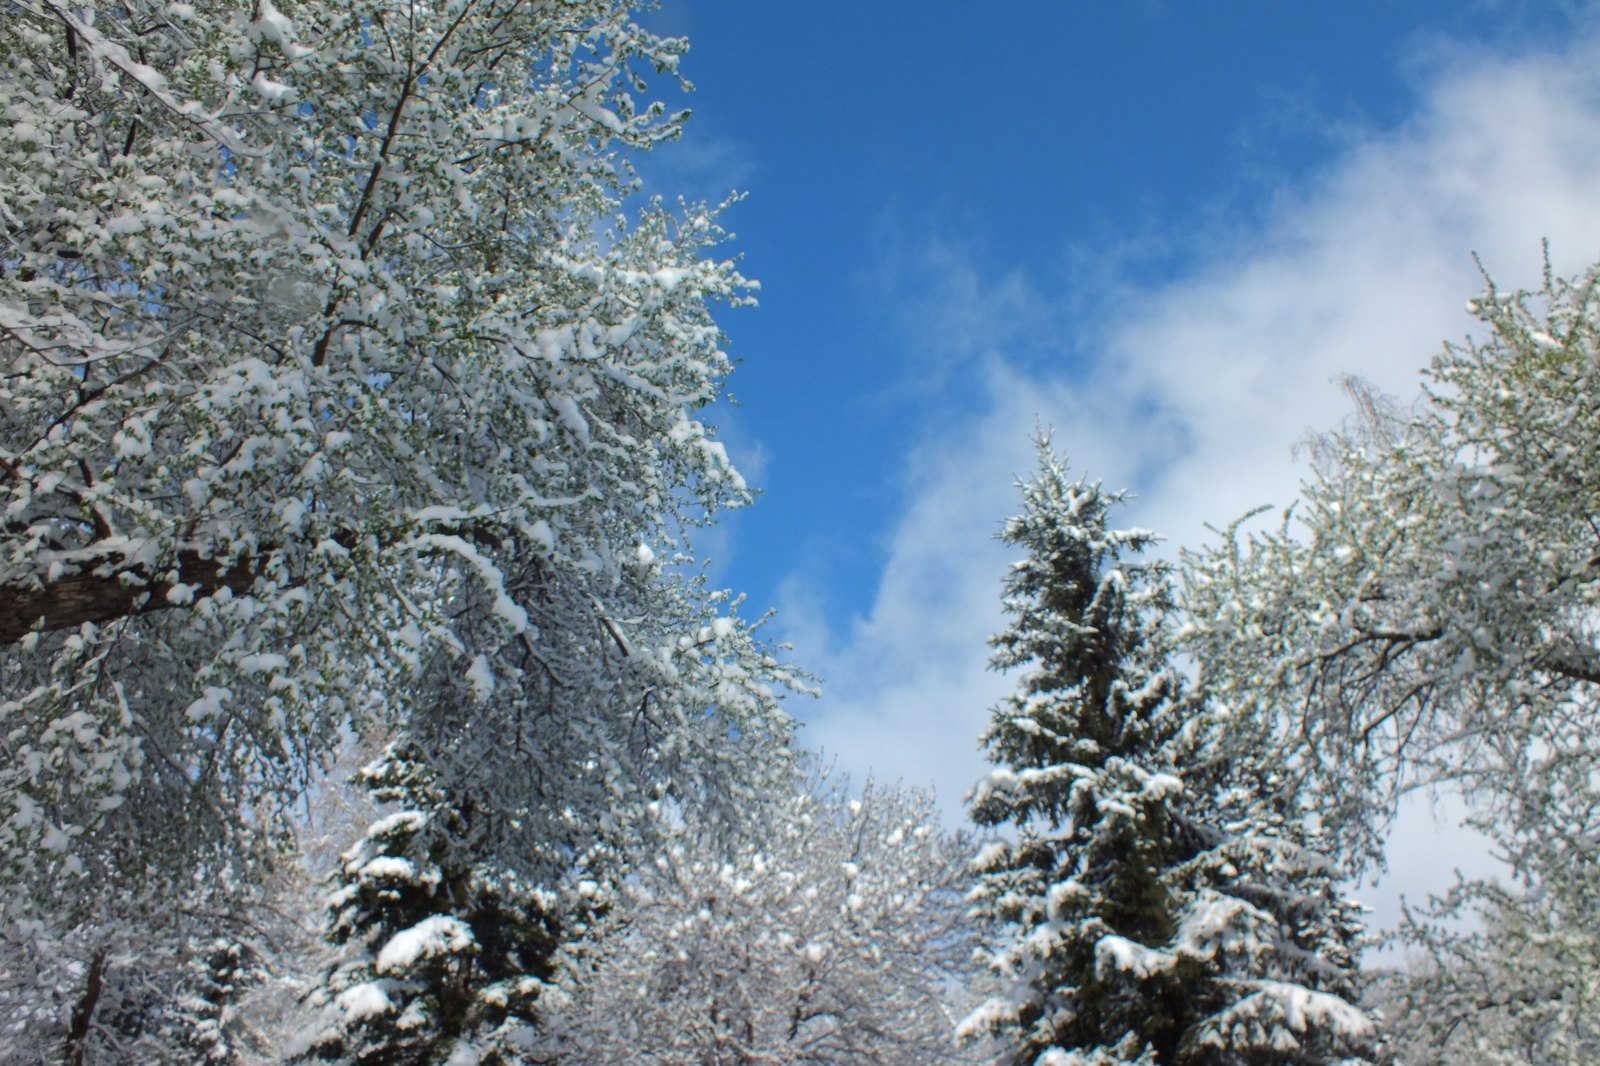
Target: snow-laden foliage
{"x":1427,"y":614}
{"x":188,"y":983}
{"x":1428,"y":610}
{"x":621,"y":691}
{"x":828,"y":931}
{"x":221,"y":974}
{"x":1156,"y":903}
{"x":446,"y":956}
{"x":306,"y":314}
{"x":340,"y":391}
{"x":1502,"y":972}
{"x":525,"y":786}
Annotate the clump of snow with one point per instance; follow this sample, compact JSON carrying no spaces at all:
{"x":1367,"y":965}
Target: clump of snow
{"x":1218,"y":922}
{"x":494,"y":580}
{"x":399,"y":821}
{"x":440,"y":934}
{"x":389,"y":867}
{"x":991,"y":1015}
{"x":481,"y":678}
{"x":1280,"y":1012}
{"x":463,"y":1054}
{"x":1120,"y":953}
{"x":1163,"y":785}
{"x":364,"y":1001}
{"x":274,"y":26}
{"x":209,"y":705}
{"x":273,"y":92}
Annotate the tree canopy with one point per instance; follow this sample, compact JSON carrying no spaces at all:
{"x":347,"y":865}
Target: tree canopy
{"x":1426,"y":616}
{"x":316,"y":329}
{"x":350,"y":388}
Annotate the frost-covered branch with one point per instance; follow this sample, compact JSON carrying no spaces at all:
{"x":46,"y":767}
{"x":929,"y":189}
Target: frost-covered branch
{"x":152,"y":81}
{"x":826,"y":930}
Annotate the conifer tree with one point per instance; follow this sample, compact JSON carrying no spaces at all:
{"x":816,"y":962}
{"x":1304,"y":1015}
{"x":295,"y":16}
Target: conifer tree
{"x":1151,"y":911}
{"x":221,"y":973}
{"x":448,"y":955}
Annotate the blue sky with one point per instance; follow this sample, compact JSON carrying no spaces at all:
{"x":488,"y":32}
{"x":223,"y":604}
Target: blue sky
{"x":1161,"y":228}
{"x":1058,"y":147}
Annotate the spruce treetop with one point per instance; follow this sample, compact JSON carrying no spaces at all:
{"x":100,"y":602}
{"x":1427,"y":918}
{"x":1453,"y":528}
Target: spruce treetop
{"x":1145,"y":907}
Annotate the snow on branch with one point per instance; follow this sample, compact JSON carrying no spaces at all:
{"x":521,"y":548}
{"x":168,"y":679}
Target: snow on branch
{"x":150,"y":79}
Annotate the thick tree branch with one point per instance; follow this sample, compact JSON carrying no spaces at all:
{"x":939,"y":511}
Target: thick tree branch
{"x":115,"y":589}
{"x":114,"y":585}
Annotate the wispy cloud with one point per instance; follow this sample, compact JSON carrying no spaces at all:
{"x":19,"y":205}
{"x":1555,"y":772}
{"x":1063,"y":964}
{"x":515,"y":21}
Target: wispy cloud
{"x":704,"y":168}
{"x":1192,"y":391}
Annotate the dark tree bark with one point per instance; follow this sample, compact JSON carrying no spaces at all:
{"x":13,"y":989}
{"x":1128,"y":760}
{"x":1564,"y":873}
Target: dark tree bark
{"x":115,"y":589}
{"x":83,"y":1012}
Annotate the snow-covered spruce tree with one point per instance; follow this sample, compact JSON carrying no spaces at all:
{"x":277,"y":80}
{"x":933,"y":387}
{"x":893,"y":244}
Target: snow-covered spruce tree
{"x":447,"y":955}
{"x":337,"y":384}
{"x":201,"y":1022}
{"x":1147,"y":909}
{"x":829,"y":931}
{"x":534,"y":775}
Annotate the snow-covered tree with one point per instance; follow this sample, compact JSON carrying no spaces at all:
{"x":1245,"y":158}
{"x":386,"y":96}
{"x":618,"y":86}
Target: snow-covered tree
{"x":1148,"y":905}
{"x":339,"y":386}
{"x":1428,"y":609}
{"x":521,"y":788}
{"x":828,"y":931}
{"x":205,"y":1022}
{"x":448,"y":955}
{"x":306,"y":315}
{"x":1507,"y":970}
{"x":1427,"y":614}
{"x":146,"y":983}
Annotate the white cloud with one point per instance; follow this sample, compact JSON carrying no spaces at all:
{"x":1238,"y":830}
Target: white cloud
{"x":1198,"y":389}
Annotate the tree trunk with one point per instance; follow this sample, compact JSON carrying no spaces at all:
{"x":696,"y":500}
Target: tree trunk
{"x":83,"y":1013}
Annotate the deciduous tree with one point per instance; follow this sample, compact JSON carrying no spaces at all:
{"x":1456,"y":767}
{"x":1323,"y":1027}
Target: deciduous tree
{"x":339,"y":387}
{"x":1426,"y":615}
{"x":306,"y":314}
{"x":1427,"y":610}
{"x":829,"y":930}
